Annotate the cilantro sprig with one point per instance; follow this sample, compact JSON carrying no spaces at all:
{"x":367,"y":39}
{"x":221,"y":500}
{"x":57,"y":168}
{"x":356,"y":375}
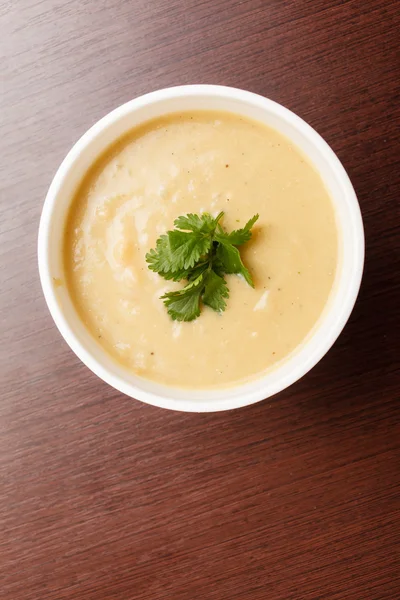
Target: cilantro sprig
{"x":201,"y":252}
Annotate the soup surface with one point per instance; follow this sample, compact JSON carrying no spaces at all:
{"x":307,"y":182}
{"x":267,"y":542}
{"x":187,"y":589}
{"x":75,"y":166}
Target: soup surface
{"x":201,"y":162}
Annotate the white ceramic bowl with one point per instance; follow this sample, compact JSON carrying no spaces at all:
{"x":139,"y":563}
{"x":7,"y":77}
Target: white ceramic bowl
{"x":194,"y":97}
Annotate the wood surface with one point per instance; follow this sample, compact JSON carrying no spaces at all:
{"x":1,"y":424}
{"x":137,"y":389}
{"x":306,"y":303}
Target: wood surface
{"x":105,"y":498}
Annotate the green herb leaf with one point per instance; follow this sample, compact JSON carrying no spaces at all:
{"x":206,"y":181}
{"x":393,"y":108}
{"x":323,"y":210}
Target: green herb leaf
{"x":230,"y":261}
{"x":198,"y":270}
{"x":177,"y":252}
{"x":238,"y":236}
{"x":160,"y":260}
{"x":215,"y":292}
{"x":203,"y":223}
{"x":187,"y":248}
{"x":200,"y":251}
{"x":184,"y":305}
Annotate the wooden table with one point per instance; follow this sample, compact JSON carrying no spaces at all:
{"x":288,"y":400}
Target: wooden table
{"x":102,"y":497}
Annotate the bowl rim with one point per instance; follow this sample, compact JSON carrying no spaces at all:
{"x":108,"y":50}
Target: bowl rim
{"x":236,"y":399}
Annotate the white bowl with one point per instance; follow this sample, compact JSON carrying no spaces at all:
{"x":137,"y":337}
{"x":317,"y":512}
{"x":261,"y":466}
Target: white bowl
{"x":195,"y":97}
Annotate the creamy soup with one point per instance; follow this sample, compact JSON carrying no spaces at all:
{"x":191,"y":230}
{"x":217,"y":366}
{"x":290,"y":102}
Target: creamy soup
{"x":201,"y":162}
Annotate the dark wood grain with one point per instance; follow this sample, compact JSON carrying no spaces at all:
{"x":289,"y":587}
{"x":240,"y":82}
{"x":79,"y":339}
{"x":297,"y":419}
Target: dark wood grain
{"x":102,"y":497}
